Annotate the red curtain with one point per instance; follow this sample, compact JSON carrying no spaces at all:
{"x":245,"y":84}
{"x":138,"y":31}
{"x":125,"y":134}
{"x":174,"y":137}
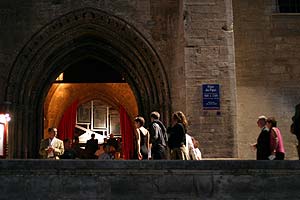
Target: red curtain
{"x":127,"y":134}
{"x":67,"y":123}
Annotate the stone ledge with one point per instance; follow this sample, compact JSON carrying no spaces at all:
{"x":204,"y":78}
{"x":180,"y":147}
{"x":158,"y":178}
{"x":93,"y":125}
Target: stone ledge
{"x":36,"y":164}
{"x":94,"y":179}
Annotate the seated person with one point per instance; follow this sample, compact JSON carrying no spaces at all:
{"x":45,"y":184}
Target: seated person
{"x":69,"y":152}
{"x":76,"y":147}
{"x":112,"y":141}
{"x":106,"y":155}
{"x":99,"y":151}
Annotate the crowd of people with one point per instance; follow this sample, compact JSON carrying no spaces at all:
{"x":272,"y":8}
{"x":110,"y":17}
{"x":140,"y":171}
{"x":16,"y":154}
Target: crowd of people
{"x":153,"y":143}
{"x":54,"y":148}
{"x":158,"y":142}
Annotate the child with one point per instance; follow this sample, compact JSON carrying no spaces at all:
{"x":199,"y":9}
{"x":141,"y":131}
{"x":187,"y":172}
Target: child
{"x":197,"y":151}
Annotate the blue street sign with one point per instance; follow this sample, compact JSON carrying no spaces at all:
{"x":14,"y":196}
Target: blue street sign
{"x":211,"y":96}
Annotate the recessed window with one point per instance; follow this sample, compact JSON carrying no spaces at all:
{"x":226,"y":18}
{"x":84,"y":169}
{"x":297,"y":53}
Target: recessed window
{"x":288,"y":6}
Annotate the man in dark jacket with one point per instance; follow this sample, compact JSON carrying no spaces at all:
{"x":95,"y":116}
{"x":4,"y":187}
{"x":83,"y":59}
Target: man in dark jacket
{"x":263,"y":141}
{"x":158,"y":137}
{"x":91,"y":147}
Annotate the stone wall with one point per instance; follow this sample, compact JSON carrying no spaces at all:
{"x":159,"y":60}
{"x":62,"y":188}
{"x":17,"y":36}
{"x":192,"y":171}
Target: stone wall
{"x":267,"y":68}
{"x":193,"y":39}
{"x":209,"y":59}
{"x":160,"y":22}
{"x":93,"y":179}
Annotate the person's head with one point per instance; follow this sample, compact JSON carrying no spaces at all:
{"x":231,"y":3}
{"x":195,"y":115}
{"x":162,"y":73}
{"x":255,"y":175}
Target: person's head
{"x":179,"y":117}
{"x":261,"y":121}
{"x":52,"y":132}
{"x":271,"y":122}
{"x":154,"y":115}
{"x":111,"y":136}
{"x":67,"y":143}
{"x":139,"y":121}
{"x":93,"y":135}
{"x":195,"y":143}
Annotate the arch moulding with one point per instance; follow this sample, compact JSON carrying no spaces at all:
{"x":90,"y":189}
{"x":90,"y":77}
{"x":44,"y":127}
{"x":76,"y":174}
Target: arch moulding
{"x":74,"y":36}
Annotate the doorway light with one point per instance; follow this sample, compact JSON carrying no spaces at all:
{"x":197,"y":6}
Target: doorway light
{"x":60,"y":77}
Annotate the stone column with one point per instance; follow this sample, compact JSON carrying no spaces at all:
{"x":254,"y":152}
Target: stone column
{"x":209,"y":59}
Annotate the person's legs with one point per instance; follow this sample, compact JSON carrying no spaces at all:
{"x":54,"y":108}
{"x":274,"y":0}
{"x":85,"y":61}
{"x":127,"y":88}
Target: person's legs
{"x":159,"y":152}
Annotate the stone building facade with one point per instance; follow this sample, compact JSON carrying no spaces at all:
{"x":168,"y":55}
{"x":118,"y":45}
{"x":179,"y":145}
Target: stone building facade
{"x":166,"y":50}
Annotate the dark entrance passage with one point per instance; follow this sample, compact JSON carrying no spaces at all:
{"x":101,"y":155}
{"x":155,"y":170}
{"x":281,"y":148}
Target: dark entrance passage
{"x":91,"y":70}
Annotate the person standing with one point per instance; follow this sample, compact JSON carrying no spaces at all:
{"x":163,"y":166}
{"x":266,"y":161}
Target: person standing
{"x":158,"y":137}
{"x":143,"y":139}
{"x":262,"y":145}
{"x":76,"y":147}
{"x":197,"y":152}
{"x":177,"y":136}
{"x":112,"y":141}
{"x":189,"y":145}
{"x":51,"y":147}
{"x":276,"y":142}
{"x":69,"y":152}
{"x":91,"y":147}
{"x":295,"y":127}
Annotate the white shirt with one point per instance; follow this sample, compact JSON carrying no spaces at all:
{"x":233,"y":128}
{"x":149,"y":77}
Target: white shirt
{"x":189,"y":147}
{"x":189,"y":143}
{"x":198,"y":154}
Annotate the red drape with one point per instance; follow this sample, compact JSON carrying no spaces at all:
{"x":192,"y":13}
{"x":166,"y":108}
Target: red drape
{"x":127,"y":134}
{"x":67,"y":123}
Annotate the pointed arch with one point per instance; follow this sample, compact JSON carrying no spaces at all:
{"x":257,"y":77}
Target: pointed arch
{"x":82,"y":33}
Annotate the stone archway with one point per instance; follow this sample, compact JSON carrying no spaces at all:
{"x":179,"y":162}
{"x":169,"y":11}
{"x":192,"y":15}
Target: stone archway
{"x":79,"y":34}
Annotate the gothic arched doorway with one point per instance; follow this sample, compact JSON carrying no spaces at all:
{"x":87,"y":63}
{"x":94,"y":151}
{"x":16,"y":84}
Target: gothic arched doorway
{"x":69,"y":39}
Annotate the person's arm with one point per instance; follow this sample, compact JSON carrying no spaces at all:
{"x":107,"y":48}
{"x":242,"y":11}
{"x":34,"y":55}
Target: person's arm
{"x":42,"y":150}
{"x":273,"y":142}
{"x":137,"y":132}
{"x":253,"y":146}
{"x":60,"y":149}
{"x":148,"y":145}
{"x":182,"y":132}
